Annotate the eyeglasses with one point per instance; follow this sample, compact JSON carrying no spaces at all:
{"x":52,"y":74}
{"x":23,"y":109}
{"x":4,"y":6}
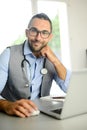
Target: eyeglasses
{"x":34,"y":32}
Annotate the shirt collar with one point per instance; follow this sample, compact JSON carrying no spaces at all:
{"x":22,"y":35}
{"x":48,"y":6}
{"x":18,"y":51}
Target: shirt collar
{"x":27,"y":50}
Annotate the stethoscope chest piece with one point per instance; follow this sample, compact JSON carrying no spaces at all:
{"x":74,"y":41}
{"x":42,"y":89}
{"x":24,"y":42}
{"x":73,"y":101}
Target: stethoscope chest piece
{"x":44,"y":71}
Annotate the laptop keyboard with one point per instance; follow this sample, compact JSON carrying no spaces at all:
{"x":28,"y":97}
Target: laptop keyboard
{"x":58,"y":111}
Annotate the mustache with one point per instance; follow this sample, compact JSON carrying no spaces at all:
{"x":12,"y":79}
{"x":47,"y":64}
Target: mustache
{"x":34,"y":41}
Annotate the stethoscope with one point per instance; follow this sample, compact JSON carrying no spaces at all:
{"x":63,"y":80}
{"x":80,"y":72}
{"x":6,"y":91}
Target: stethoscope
{"x":43,"y":71}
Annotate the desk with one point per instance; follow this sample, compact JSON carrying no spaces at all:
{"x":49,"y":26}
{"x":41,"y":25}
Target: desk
{"x":42,"y":122}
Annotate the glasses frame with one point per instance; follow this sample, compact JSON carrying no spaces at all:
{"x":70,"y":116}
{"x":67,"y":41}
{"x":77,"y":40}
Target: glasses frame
{"x":37,"y":32}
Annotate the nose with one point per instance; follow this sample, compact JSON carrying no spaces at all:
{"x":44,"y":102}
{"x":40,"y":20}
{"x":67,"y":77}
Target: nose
{"x":38,"y":36}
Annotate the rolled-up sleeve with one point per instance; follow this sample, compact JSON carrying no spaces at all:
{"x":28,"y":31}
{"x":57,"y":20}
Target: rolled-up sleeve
{"x":4,"y":61}
{"x":63,"y":84}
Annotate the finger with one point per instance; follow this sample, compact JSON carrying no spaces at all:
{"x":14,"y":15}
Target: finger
{"x":32,"y":104}
{"x":22,"y":112}
{"x":27,"y":107}
{"x":43,"y":53}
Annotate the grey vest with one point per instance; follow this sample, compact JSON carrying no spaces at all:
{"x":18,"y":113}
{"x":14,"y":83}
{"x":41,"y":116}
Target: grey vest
{"x":16,"y":86}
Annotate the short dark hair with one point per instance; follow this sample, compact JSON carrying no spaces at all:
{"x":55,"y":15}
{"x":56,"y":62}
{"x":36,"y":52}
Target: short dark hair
{"x":41,"y":16}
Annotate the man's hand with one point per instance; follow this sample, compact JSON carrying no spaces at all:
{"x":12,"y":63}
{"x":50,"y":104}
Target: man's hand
{"x":60,"y":69}
{"x":21,"y":108}
{"x":47,"y":52}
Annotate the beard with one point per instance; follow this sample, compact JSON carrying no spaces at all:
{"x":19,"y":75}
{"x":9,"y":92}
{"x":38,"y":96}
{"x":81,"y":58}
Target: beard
{"x":35,"y":49}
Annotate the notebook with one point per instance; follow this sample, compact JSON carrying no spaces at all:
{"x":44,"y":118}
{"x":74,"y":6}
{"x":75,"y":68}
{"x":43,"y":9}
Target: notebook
{"x":75,"y":102}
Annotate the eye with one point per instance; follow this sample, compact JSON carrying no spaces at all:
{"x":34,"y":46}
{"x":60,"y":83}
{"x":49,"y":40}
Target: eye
{"x":44,"y":32}
{"x":33,"y":30}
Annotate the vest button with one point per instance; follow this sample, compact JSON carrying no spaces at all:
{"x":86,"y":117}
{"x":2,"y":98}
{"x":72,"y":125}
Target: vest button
{"x":26,"y":85}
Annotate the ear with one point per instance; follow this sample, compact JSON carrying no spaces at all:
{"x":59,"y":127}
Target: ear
{"x":51,"y":36}
{"x":26,"y":32}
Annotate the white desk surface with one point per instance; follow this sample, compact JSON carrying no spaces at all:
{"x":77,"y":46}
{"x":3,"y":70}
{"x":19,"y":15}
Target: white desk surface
{"x":42,"y":122}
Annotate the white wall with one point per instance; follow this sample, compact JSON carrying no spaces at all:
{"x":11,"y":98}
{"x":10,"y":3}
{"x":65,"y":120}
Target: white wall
{"x":77,"y":20}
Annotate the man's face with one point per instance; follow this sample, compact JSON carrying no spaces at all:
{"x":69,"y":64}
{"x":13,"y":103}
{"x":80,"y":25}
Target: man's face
{"x":40,"y":27}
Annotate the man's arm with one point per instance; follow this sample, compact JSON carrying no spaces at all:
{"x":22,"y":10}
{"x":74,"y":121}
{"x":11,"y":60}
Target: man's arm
{"x":4,"y":61}
{"x":21,"y":108}
{"x":60,"y":69}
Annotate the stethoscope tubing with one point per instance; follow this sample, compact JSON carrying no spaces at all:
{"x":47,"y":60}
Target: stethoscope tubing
{"x":43,"y":70}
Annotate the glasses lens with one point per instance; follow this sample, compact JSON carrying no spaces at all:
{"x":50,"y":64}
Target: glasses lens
{"x":33,"y":31}
{"x":45,"y":34}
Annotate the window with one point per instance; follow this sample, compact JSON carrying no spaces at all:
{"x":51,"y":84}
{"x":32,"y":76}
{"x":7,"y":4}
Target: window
{"x":14,"y":17}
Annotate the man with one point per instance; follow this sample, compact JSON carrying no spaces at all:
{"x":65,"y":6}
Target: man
{"x":27,"y":70}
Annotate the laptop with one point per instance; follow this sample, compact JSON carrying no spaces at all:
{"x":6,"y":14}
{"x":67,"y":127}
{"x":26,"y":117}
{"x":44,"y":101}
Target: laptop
{"x":75,"y":102}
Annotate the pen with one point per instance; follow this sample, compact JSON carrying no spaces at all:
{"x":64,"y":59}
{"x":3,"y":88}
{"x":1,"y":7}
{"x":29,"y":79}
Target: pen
{"x":59,"y":97}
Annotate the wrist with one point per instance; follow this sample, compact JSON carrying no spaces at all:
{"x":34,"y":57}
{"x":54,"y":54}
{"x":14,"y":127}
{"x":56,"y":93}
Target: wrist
{"x":3,"y":104}
{"x":56,"y":62}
